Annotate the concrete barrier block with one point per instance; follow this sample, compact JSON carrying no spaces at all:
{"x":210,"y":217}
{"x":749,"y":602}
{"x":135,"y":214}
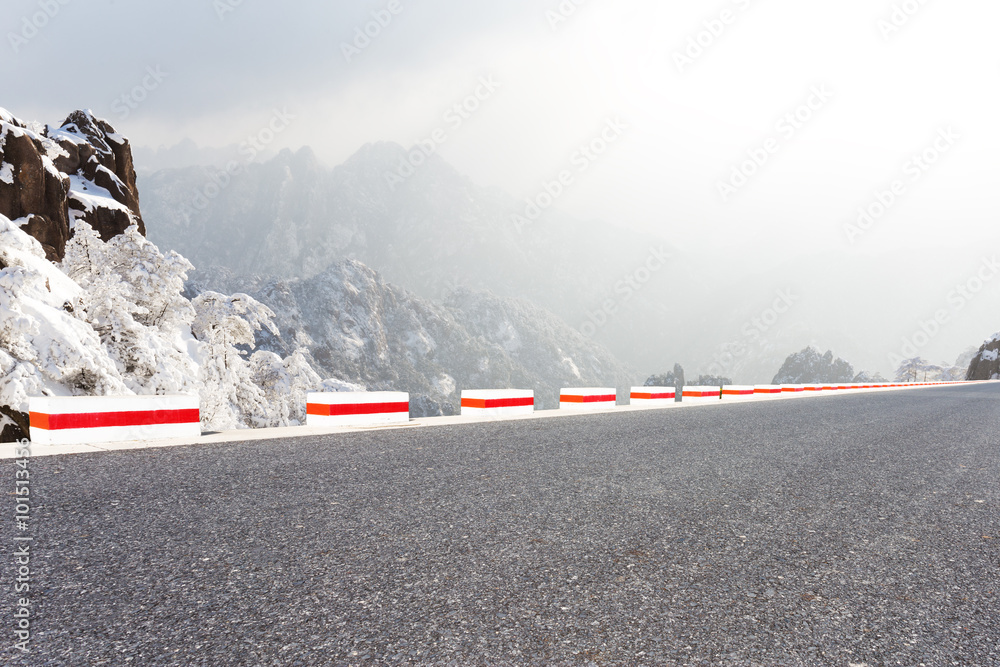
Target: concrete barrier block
{"x":652,"y":397}
{"x":497,"y":402}
{"x":587,"y":399}
{"x":737,"y":391}
{"x":79,"y":420}
{"x":695,"y":394}
{"x":357,"y":408}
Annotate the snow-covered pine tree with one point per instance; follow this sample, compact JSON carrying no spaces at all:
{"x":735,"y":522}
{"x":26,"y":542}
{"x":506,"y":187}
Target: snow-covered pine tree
{"x":43,"y":347}
{"x":156,"y":280}
{"x":225,"y":325}
{"x":132,"y":298}
{"x":84,"y":255}
{"x":285,"y":383}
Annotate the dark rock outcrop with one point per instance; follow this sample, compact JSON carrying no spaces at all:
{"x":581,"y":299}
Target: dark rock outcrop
{"x":986,"y":364}
{"x":35,"y":192}
{"x":16,"y":426}
{"x":53,"y":176}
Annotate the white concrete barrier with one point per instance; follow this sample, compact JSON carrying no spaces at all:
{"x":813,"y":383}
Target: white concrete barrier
{"x":587,"y":399}
{"x":81,"y":420}
{"x":695,"y":394}
{"x":497,"y":402}
{"x":652,"y":397}
{"x":737,"y":392}
{"x":767,"y":390}
{"x":357,"y":408}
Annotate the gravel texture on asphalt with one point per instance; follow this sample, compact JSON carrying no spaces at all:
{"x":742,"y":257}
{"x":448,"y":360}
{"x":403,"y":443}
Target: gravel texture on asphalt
{"x":859,"y":530}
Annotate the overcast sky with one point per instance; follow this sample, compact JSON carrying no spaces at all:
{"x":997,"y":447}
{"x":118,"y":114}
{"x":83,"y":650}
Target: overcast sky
{"x":695,"y":89}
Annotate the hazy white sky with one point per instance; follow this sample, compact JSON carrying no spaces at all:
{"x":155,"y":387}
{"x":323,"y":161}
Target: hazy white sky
{"x":700,"y":87}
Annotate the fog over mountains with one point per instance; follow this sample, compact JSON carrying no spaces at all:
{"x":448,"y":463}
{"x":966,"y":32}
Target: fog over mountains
{"x":435,"y":231}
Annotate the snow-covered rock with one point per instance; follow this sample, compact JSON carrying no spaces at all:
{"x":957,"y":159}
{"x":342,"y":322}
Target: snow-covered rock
{"x":985,"y":365}
{"x":53,"y":176}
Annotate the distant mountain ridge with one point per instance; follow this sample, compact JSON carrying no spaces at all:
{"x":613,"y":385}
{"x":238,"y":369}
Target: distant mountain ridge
{"x":646,"y":301}
{"x":435,"y":232}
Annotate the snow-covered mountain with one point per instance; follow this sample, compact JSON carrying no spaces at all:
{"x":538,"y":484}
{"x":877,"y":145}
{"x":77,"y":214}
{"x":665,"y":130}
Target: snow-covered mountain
{"x":436,"y":231}
{"x":362,"y":329}
{"x":90,"y":306}
{"x":431,"y":233}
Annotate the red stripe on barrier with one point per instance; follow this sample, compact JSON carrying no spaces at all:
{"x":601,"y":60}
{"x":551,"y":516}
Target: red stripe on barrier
{"x":345,"y":409}
{"x":109,"y":419}
{"x":653,"y":397}
{"x":565,"y":398}
{"x":737,"y":392}
{"x":701,"y":394}
{"x":483,"y":403}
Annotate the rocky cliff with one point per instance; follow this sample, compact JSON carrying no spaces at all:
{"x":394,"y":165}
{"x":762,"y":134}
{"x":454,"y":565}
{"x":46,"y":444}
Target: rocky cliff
{"x":986,"y":364}
{"x":50,"y":177}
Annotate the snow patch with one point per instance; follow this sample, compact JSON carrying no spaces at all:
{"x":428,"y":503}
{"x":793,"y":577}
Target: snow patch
{"x":7,"y":173}
{"x":445,"y":384}
{"x":991,"y":355}
{"x":572,"y":367}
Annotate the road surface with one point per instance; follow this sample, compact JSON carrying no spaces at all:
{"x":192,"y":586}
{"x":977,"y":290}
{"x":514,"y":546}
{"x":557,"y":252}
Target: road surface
{"x":843,"y":530}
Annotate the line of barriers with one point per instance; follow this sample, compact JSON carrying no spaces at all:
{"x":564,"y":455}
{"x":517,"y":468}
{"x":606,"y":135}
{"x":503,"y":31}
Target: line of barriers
{"x":98,"y":419}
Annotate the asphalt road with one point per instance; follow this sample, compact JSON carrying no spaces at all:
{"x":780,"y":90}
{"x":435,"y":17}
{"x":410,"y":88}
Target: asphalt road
{"x":815,"y":531}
